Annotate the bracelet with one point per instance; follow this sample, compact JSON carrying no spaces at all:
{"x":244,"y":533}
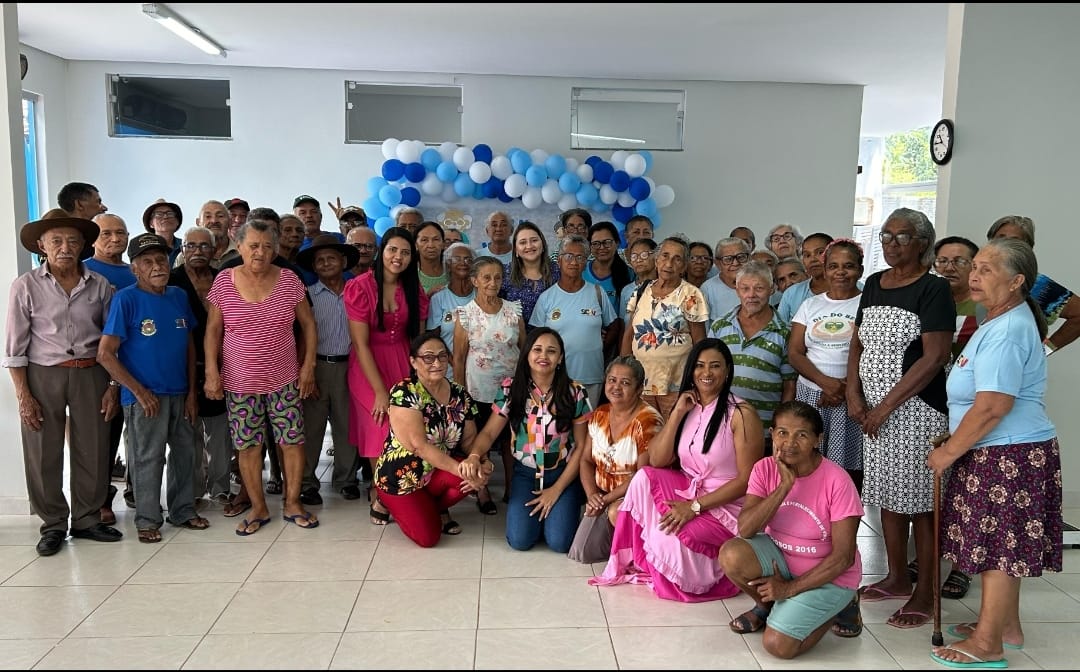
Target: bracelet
{"x":114,"y":383}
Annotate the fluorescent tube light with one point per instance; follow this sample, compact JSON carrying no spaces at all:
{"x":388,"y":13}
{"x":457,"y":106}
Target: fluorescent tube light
{"x":589,"y":136}
{"x":169,"y":19}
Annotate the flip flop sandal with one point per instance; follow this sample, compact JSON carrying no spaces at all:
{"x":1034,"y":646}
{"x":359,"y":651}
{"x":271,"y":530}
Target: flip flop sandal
{"x":955,"y":631}
{"x":848,"y":623}
{"x":243,"y":530}
{"x":921,"y":618}
{"x":149,"y":536}
{"x":309,"y":524}
{"x":973,"y":662}
{"x":236,"y":509}
{"x":742,"y":624}
{"x":451,"y":527}
{"x":196,"y":523}
{"x":379,"y":517}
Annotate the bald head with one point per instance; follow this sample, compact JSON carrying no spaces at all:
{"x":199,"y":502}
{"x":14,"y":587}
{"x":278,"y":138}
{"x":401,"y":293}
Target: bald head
{"x":363,"y":239}
{"x":112,"y":240}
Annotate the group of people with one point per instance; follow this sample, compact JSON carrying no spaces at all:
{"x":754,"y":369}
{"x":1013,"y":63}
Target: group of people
{"x":661,"y":408}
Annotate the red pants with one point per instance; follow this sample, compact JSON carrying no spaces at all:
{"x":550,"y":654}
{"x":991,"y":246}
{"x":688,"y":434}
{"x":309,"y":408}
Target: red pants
{"x":417,"y":513}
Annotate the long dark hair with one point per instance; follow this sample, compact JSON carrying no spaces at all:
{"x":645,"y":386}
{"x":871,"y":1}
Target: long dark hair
{"x":517,"y":265}
{"x":620,"y":272}
{"x":720,"y":411}
{"x":564,"y":405}
{"x":409,"y":279}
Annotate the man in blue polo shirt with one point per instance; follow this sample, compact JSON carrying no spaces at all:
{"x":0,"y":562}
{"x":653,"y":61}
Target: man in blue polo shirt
{"x":147,"y":348}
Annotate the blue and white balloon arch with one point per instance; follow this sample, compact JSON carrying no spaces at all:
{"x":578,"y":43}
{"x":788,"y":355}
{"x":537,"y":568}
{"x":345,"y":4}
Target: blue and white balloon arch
{"x":412,"y":170}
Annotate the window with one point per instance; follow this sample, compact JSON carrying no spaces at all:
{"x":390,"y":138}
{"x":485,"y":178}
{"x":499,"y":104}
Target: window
{"x":626,"y":119}
{"x":375,"y":112}
{"x":169,"y":107}
{"x":30,"y":155}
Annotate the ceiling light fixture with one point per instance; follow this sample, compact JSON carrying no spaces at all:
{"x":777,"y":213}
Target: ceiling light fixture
{"x":589,"y":136}
{"x":169,"y":19}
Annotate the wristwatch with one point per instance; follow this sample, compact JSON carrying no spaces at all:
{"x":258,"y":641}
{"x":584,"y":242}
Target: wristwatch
{"x":114,"y":383}
{"x":695,"y":506}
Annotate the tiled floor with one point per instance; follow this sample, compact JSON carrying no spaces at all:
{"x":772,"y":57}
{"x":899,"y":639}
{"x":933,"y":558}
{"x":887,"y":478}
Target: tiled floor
{"x":352,"y":595}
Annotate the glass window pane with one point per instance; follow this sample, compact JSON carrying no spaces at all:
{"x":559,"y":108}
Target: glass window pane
{"x":375,"y":112}
{"x":169,"y":107}
{"x":627,"y":119}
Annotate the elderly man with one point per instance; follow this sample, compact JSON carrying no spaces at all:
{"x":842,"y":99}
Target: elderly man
{"x":349,"y":217}
{"x":719,"y":290}
{"x":55,"y":316}
{"x":148,"y":348}
{"x":363,"y":239}
{"x":213,"y":451}
{"x":499,"y":229}
{"x":213,"y":215}
{"x":307,"y":210}
{"x":238,"y":213}
{"x":164,"y":218}
{"x":80,"y":200}
{"x":328,"y":259}
{"x":409,"y":219}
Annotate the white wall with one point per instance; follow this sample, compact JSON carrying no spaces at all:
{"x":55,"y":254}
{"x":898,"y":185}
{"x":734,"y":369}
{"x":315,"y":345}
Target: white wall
{"x":1016,"y":151}
{"x":47,"y":77}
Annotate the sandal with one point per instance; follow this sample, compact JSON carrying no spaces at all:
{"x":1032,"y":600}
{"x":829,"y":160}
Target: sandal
{"x":149,"y":535}
{"x":273,"y":487}
{"x":234,"y":508}
{"x":378,"y":517}
{"x":487,"y":508}
{"x":744,"y":623}
{"x":956,"y":586}
{"x":848,"y":623}
{"x":450,"y":526}
{"x":196,"y":523}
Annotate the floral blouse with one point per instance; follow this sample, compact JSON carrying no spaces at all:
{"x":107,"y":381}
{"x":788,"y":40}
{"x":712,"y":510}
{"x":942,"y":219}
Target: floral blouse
{"x":399,"y":471}
{"x":660,"y":330}
{"x":493,"y":347}
{"x":537,"y":442}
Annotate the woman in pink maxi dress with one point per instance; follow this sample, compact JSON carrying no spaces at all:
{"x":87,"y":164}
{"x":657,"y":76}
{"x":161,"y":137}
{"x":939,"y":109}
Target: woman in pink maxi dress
{"x":676,"y":515}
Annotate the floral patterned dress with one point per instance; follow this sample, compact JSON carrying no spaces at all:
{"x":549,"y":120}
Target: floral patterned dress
{"x":493,"y":347}
{"x":400,"y":471}
{"x":660,"y":331}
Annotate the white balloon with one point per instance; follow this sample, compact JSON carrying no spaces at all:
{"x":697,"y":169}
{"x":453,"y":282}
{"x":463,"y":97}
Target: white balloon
{"x":396,"y":209}
{"x":663,"y":195}
{"x":531,"y":199}
{"x":406,"y":151}
{"x":463,"y":158}
{"x":567,"y":201}
{"x":618,"y":159}
{"x":431,"y":186}
{"x":515,"y":185}
{"x":446,"y":151}
{"x":635,"y":165}
{"x":584,"y":173}
{"x":571,"y":164}
{"x":652,"y":183}
{"x":551,"y":192}
{"x":389,"y":148}
{"x":479,"y":172}
{"x":626,"y":200}
{"x":539,"y":156}
{"x":608,"y":195}
{"x":501,"y":168}
{"x":448,"y":193}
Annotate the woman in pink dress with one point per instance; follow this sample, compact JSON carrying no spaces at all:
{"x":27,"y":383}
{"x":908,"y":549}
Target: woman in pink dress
{"x":673,"y":521}
{"x":386,"y":309}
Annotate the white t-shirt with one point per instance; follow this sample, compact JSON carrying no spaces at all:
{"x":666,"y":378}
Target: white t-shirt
{"x":830,"y":324}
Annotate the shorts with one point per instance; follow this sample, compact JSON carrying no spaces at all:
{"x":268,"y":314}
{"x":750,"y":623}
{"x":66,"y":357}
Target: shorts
{"x":798,"y":616}
{"x":250,"y":415}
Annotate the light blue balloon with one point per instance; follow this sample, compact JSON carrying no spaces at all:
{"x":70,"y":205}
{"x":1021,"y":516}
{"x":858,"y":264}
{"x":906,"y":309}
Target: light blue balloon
{"x":382,"y":225}
{"x":647,"y":155}
{"x":646,"y":207}
{"x":463,"y":185}
{"x":555,"y":165}
{"x":390,"y":195}
{"x":446,"y":171}
{"x":374,"y":184}
{"x":587,"y":195}
{"x":599,"y":206}
{"x":569,"y":183}
{"x":520,"y":162}
{"x":657,"y":220}
{"x":374,"y":208}
{"x":535,"y":176}
{"x":431,"y":158}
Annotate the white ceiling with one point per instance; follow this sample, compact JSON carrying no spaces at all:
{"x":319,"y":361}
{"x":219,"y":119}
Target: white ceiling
{"x":896,"y":51}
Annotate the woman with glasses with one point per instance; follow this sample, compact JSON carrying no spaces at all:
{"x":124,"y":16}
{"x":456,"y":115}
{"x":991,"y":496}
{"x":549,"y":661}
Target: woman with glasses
{"x":896,"y":391}
{"x":164,"y":219}
{"x":530,"y":272}
{"x":608,"y":270}
{"x":642,"y":257}
{"x":572,"y":222}
{"x":430,"y":417}
{"x":784,"y":240}
{"x":701,"y":260}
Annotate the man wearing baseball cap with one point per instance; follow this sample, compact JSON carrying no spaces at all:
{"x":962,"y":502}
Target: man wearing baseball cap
{"x":307,"y":210}
{"x":147,"y":347}
{"x":238,"y":213}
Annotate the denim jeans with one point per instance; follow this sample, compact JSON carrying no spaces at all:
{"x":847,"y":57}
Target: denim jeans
{"x":560,"y":526}
{"x":146,"y":440}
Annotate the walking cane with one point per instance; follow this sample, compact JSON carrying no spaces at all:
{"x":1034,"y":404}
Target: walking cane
{"x":936,"y":639}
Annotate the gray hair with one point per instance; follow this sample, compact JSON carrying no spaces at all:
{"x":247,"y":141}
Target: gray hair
{"x":200,"y":229}
{"x":1019,"y":259}
{"x":794,"y":261}
{"x":574,"y":240}
{"x":679,"y":240}
{"x":794,"y":230}
{"x":731,"y":240}
{"x":630,"y":362}
{"x":289,"y":215}
{"x":407,"y":210}
{"x":455,"y":247}
{"x":483,"y":261}
{"x":108,"y":215}
{"x":757,"y":269}
{"x":923,"y":229}
{"x":260,"y":225}
{"x":1026,"y":226}
{"x":768,"y":253}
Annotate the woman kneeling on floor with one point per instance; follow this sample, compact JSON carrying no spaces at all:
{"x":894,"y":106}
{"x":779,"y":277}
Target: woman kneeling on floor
{"x":417,"y":478}
{"x":796,"y":554}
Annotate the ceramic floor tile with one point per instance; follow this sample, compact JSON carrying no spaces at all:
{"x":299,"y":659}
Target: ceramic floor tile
{"x":302,"y":651}
{"x":838,"y":653}
{"x":289,"y":607}
{"x":193,"y":563}
{"x":1067,"y":583}
{"x":40,"y":612}
{"x":578,"y":648}
{"x":630,"y":605}
{"x":501,"y":561}
{"x":121,"y":653}
{"x":400,"y":558}
{"x":23,"y":654}
{"x":100,"y":565}
{"x":681,"y":646}
{"x":418,"y":650}
{"x":15,"y":558}
{"x":19,"y":530}
{"x":449,"y":604}
{"x":515,"y":603}
{"x":223,"y":529}
{"x":338,"y":521}
{"x":170,"y":609}
{"x":316,"y":561}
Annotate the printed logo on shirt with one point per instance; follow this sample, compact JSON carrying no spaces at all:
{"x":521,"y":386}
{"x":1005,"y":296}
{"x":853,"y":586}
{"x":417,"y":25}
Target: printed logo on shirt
{"x":181,"y":323}
{"x":962,"y":361}
{"x":556,"y":314}
{"x":591,"y":312}
{"x":148,"y":328}
{"x":449,"y":317}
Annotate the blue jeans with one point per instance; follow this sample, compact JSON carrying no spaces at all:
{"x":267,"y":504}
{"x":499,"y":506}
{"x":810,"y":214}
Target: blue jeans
{"x":146,"y":439}
{"x":560,"y":526}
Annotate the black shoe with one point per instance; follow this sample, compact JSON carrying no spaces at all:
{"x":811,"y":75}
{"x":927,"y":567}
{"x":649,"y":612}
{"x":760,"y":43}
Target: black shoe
{"x":351,"y":492}
{"x":119,"y":471}
{"x":311,"y":497}
{"x":129,"y":498}
{"x":51,"y":542}
{"x":99,"y":532}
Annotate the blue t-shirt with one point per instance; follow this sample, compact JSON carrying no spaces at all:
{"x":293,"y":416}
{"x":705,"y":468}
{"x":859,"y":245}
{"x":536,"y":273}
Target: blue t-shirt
{"x":118,"y":275}
{"x":153,"y":330}
{"x":578,"y":317}
{"x":1004,"y":355}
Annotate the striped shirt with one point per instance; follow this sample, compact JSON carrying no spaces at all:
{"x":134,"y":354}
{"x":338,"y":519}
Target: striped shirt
{"x":331,"y":324}
{"x":761,"y":362}
{"x":259,"y":351}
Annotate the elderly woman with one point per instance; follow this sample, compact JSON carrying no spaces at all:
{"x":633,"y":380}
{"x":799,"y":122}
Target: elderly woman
{"x":896,"y":392}
{"x":529,"y":273}
{"x":499,"y":229}
{"x":641,"y":254}
{"x":582,"y":315}
{"x":616,"y":445}
{"x":251,"y":362}
{"x":458,"y":292}
{"x":788,"y":273}
{"x":796,"y":554}
{"x":813,"y":259}
{"x":701,"y":262}
{"x":572,"y":222}
{"x":784,"y":240}
{"x":430,"y":416}
{"x":663,"y":322}
{"x":430,"y":266}
{"x":1002,"y":515}
{"x":1054,"y":300}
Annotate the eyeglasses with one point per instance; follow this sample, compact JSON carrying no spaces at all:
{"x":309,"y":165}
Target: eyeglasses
{"x":603,"y":244}
{"x":363,"y":246}
{"x":701,"y":257}
{"x":640,"y":256}
{"x":729,"y":259}
{"x":902,"y":239}
{"x":460,"y":260}
{"x":164,"y":214}
{"x":570,"y":256}
{"x":429,"y":358}
{"x":191,"y":247}
{"x":957,"y":262}
{"x":777,"y":237}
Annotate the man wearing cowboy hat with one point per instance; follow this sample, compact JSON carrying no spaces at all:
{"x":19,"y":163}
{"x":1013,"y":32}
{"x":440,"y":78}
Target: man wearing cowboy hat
{"x":164,"y":219}
{"x":55,"y":317}
{"x":328,"y":258}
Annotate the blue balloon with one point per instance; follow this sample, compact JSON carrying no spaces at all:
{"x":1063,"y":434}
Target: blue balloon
{"x":478,"y":191}
{"x":555,"y":165}
{"x":514,"y":150}
{"x":602,"y":172}
{"x":374,"y":184}
{"x":446,"y":172}
{"x":374,"y":208}
{"x":390,"y":195}
{"x":647,"y":155}
{"x":535,"y":176}
{"x":587,"y":195}
{"x":569,"y":183}
{"x":382,"y":225}
{"x":520,"y":162}
{"x":639,"y":188}
{"x":657,"y":219}
{"x":622,"y":213}
{"x":646,"y":207}
{"x":415,"y":172}
{"x":598,"y":206}
{"x":393,"y":170}
{"x":593,"y":160}
{"x":620,"y":180}
{"x":431,"y":158}
{"x":482,"y":152}
{"x":492,"y":187}
{"x":505,"y":198}
{"x":463,"y":185}
{"x":410,"y":196}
